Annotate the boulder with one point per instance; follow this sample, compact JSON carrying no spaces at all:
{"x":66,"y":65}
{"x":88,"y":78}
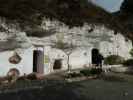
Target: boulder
{"x":119,"y":69}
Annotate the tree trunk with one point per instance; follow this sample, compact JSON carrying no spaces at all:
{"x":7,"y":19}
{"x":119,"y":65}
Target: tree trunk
{"x":69,"y":67}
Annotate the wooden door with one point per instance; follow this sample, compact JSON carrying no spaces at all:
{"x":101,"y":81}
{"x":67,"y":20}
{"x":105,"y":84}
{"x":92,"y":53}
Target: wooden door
{"x":38,"y":61}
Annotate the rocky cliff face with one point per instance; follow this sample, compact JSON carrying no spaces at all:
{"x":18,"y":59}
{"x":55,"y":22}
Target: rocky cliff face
{"x":126,"y":6}
{"x":11,"y":37}
{"x":57,"y":34}
{"x":29,"y":14}
{"x":56,"y":23}
{"x":59,"y":41}
{"x":64,"y":27}
{"x":88,"y":36}
{"x":67,"y":11}
{"x":125,"y":16}
{"x":71,"y":12}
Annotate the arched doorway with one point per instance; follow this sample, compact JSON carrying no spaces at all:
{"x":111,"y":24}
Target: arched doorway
{"x":95,"y":54}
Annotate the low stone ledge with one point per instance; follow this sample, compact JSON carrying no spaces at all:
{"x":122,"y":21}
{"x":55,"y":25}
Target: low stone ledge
{"x":120,"y":69}
{"x":81,"y":78}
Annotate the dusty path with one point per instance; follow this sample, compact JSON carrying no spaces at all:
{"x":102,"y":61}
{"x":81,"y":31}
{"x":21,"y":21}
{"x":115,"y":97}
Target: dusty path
{"x":85,"y":90}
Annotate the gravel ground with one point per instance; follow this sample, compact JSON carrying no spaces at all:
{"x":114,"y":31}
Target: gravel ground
{"x":98,"y":89}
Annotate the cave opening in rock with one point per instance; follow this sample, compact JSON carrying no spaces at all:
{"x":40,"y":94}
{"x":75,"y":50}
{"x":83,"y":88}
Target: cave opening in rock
{"x":95,"y":54}
{"x":57,"y":64}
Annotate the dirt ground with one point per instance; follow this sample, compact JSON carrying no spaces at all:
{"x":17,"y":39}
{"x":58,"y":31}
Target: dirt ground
{"x":111,"y":87}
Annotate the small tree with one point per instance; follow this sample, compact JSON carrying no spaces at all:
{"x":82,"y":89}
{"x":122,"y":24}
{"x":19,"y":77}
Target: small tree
{"x":66,"y":47}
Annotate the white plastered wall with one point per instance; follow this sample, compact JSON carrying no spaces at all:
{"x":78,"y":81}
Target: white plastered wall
{"x":25,"y":66}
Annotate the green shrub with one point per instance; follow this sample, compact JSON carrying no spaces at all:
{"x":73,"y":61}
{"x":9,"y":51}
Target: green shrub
{"x":85,"y":72}
{"x":131,"y":52}
{"x":73,"y":75}
{"x":113,"y":60}
{"x":96,"y":71}
{"x":128,"y":62}
{"x":93,"y":71}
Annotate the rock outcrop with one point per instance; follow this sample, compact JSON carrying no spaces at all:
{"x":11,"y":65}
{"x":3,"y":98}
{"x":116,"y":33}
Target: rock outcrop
{"x":66,"y":28}
{"x":29,"y":14}
{"x":11,"y":37}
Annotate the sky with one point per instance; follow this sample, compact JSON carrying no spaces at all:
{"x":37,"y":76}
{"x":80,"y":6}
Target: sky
{"x":109,"y":5}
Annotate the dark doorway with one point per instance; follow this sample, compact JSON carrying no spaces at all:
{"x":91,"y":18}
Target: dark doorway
{"x":95,"y":54}
{"x":38,"y":61}
{"x":97,"y":58}
{"x":57,"y":64}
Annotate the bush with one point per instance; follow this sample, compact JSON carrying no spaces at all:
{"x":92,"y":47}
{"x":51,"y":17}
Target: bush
{"x":128,"y":62}
{"x":85,"y":72}
{"x":131,"y":52}
{"x":96,"y":71}
{"x":93,"y":71}
{"x":114,"y":60}
{"x":73,"y":75}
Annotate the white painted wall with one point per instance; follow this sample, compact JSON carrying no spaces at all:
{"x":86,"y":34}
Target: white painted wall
{"x":80,"y":58}
{"x":118,"y":47}
{"x":25,"y":66}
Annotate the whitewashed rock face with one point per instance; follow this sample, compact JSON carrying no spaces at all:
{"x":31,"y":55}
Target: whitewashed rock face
{"x":76,"y":42}
{"x":13,"y":40}
{"x":52,"y":54}
{"x":11,"y":37}
{"x":81,"y":40}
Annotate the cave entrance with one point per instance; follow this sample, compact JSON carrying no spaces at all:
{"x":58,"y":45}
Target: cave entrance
{"x":95,"y":56}
{"x":38,"y":60}
{"x":57,"y":64}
